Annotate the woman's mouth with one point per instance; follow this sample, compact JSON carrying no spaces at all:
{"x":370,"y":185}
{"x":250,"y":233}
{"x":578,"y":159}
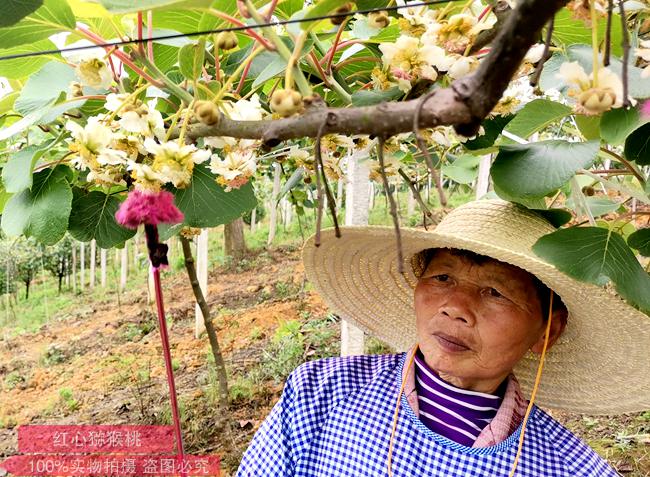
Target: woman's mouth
{"x":450,"y":343}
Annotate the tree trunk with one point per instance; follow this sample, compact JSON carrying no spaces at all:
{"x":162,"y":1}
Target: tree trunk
{"x":483,"y":180}
{"x":339,"y":194}
{"x":273,"y":210}
{"x":234,"y":243}
{"x":202,"y":266}
{"x":124,"y":269}
{"x":27,"y":289}
{"x":60,"y":283}
{"x":222,"y":375}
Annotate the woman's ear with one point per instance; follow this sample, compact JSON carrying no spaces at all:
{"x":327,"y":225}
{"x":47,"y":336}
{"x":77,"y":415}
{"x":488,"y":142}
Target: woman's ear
{"x":558,"y":324}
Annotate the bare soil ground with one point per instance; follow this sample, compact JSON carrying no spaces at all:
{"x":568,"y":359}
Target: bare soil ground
{"x":103,"y":364}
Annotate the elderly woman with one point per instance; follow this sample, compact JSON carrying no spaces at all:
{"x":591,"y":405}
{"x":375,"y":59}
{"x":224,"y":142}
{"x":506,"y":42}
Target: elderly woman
{"x":475,"y":308}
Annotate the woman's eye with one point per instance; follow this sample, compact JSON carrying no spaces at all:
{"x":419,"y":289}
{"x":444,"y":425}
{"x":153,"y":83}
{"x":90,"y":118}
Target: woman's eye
{"x":493,"y":292}
{"x":441,"y":278}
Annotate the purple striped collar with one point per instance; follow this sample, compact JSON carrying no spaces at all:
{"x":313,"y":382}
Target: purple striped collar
{"x":456,"y":413}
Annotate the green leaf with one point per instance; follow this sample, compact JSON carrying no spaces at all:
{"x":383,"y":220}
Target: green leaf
{"x":570,"y":31}
{"x":93,"y":217}
{"x":492,"y":128}
{"x":637,"y":146}
{"x":324,"y":7}
{"x":537,"y":203}
{"x":557,"y":217}
{"x":15,"y":10}
{"x":291,"y":182}
{"x":589,"y":126}
{"x":44,"y":210}
{"x":274,"y":67}
{"x":44,"y":86}
{"x":190,"y":60}
{"x":537,"y":169}
{"x":640,"y":240}
{"x":597,"y":205}
{"x":369,"y":97}
{"x":49,"y":112}
{"x":166,"y":231}
{"x":535,"y":116}
{"x":463,"y":169}
{"x":53,"y":17}
{"x":286,"y":8}
{"x":17,"y":172}
{"x":127,"y":6}
{"x":617,"y":124}
{"x":206,"y":204}
{"x":20,"y":68}
{"x":596,"y":255}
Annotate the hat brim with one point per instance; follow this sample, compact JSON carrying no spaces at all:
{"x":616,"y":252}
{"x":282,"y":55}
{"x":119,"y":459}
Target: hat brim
{"x":600,"y":364}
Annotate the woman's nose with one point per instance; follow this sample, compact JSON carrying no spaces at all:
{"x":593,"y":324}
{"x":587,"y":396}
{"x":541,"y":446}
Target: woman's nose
{"x":460,"y":305}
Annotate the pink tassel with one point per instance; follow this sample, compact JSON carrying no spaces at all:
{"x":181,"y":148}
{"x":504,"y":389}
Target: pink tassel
{"x":152,"y":208}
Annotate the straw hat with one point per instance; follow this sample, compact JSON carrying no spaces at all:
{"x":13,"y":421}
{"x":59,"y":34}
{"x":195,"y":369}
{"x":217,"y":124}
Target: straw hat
{"x":600,"y":364}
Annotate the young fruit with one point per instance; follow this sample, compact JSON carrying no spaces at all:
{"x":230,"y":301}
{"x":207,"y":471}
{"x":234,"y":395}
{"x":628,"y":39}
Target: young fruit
{"x":227,"y":40}
{"x":378,"y":19}
{"x":207,"y":112}
{"x":286,"y":102}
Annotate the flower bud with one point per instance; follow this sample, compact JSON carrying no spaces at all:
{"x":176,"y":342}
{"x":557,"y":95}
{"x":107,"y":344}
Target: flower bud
{"x":243,"y":9}
{"x":76,"y":89}
{"x":378,"y":19}
{"x":227,"y":40}
{"x":345,"y":8}
{"x":207,"y":112}
{"x":596,"y":100}
{"x":286,"y":102}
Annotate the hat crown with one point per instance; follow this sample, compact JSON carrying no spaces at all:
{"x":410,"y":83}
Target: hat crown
{"x":497,"y":222}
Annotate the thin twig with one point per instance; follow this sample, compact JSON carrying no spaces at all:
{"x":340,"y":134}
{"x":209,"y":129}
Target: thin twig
{"x":608,"y":33}
{"x":547,"y":45}
{"x":425,"y":150}
{"x":330,"y":198}
{"x":626,"y":55}
{"x":319,"y":189}
{"x":416,"y":194}
{"x":391,"y":200}
{"x":638,"y":174}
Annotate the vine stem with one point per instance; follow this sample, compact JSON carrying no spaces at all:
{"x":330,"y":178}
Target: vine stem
{"x":319,"y":189}
{"x":626,"y":55}
{"x":282,"y":49}
{"x":547,"y":45}
{"x":391,"y":200}
{"x":594,"y":42}
{"x":186,"y":120}
{"x":330,"y":198}
{"x":173,"y":87}
{"x":335,"y":45}
{"x":638,"y":174}
{"x":608,"y":33}
{"x":293,"y":59}
{"x":150,"y":35}
{"x":416,"y":194}
{"x":425,"y":150}
{"x":231,"y":79}
{"x":617,"y":187}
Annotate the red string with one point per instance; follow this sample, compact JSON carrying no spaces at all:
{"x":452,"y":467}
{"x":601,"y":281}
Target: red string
{"x":168,"y":366}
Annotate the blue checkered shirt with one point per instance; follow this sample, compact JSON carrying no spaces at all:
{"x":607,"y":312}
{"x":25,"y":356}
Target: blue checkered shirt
{"x":335,"y":416}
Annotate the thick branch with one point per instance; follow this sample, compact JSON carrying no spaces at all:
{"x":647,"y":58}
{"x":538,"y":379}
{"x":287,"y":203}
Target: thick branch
{"x":464,"y":104}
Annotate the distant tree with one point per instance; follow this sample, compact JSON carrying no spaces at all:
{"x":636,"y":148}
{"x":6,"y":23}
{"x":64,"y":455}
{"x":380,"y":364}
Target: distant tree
{"x":27,"y":253}
{"x":57,"y":259}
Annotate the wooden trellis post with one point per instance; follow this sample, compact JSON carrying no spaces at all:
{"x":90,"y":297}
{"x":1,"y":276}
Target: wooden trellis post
{"x":483,"y":180}
{"x":356,"y":213}
{"x":102,"y":260}
{"x":273,"y":210}
{"x":82,"y":259}
{"x":124,"y":268}
{"x":202,"y":275}
{"x":93,"y":259}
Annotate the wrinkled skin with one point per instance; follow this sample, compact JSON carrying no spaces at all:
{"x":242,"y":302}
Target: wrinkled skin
{"x":492,"y":309}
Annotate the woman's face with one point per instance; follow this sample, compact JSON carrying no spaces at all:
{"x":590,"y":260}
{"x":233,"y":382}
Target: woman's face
{"x":476,"y":321}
